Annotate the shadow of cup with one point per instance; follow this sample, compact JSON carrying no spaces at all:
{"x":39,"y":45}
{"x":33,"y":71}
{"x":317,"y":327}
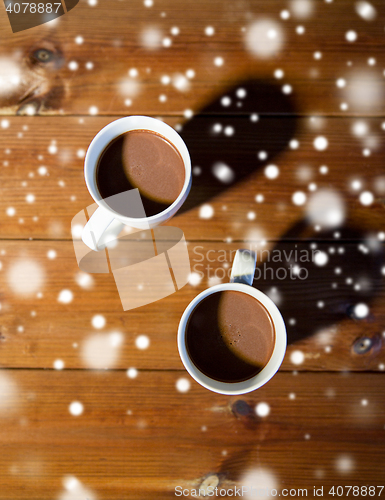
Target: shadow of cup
{"x":322,"y":279}
{"x":225,"y":137}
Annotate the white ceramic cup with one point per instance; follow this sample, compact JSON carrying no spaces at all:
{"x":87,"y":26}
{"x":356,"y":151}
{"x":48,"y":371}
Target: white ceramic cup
{"x":242,"y":272}
{"x":105,"y":224}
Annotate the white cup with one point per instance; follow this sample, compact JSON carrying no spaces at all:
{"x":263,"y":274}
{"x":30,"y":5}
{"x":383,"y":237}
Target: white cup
{"x":105,"y":224}
{"x":242,"y":272}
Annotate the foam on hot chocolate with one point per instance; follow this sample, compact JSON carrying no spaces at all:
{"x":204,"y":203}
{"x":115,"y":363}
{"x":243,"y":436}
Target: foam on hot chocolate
{"x":230,"y":336}
{"x":153,"y":165}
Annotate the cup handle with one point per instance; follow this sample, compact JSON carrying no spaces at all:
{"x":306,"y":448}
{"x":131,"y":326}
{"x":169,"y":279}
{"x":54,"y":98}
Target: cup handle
{"x":243,"y":268}
{"x":101,"y":229}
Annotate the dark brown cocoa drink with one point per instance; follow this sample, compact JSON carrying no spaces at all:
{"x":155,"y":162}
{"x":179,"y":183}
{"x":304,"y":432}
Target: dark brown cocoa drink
{"x":230,"y":336}
{"x":145,"y":160}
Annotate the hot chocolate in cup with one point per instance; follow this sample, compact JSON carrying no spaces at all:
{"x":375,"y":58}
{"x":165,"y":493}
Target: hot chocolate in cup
{"x":138,"y":170}
{"x":232,"y":337}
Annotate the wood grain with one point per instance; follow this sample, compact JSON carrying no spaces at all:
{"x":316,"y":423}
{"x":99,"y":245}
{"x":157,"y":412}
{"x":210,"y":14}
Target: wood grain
{"x":37,"y":328}
{"x":141,"y":437}
{"x":52,"y":88}
{"x":59,"y":144}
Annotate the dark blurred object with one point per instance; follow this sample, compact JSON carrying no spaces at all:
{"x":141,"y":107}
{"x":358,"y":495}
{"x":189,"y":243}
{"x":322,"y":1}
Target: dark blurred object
{"x":312,"y":297}
{"x":226,"y":136}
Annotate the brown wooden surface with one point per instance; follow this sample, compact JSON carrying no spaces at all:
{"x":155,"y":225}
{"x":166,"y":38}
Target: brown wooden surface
{"x":140,"y":437}
{"x":114,"y":51}
{"x":274,"y":217}
{"x":53,"y":329}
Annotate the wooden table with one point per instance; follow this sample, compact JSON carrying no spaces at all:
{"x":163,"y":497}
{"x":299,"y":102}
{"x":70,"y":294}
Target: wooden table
{"x":298,"y":85}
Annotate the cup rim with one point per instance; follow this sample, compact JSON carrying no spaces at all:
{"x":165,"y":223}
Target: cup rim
{"x":275,"y":361}
{"x":123,"y":125}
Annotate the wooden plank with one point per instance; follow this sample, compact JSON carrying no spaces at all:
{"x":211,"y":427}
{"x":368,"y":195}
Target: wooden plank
{"x":113,"y":34}
{"x":60,"y":192}
{"x":37,"y":327}
{"x":141,"y":438}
